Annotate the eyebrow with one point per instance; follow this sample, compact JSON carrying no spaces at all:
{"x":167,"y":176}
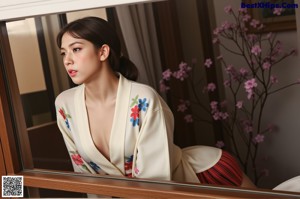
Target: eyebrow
{"x":71,"y":44}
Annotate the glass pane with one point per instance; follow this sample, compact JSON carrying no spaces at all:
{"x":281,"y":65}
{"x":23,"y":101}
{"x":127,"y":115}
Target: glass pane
{"x":41,"y":77}
{"x":25,"y":49}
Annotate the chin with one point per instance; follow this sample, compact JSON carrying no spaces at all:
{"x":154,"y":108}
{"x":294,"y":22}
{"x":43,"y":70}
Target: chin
{"x":76,"y":81}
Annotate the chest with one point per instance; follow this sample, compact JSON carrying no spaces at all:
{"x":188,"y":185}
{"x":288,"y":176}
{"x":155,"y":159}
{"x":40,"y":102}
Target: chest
{"x":100,"y":124}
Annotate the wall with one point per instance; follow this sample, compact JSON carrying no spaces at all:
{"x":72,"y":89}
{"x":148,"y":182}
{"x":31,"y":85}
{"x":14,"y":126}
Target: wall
{"x":279,"y":152}
{"x":25,"y":48}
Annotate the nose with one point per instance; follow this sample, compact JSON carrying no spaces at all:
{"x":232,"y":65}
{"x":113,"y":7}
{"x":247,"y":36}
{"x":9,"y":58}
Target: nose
{"x":68,"y":59}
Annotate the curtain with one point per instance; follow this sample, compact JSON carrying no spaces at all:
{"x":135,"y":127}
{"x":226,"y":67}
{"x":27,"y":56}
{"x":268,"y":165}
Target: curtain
{"x":139,"y":32}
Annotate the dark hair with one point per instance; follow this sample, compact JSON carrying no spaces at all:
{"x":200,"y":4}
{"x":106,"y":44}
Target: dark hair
{"x":100,"y":32}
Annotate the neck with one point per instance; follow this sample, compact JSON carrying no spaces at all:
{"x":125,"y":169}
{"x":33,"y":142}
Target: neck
{"x":103,"y":88}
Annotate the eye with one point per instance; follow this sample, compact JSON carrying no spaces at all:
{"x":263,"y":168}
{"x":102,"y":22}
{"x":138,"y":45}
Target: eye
{"x":62,"y":54}
{"x":76,"y":49}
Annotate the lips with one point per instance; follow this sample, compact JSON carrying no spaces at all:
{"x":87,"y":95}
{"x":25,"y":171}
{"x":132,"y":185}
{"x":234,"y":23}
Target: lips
{"x":72,"y":73}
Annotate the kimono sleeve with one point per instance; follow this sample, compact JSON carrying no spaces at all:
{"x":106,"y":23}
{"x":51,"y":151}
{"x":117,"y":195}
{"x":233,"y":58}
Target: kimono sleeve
{"x":153,"y":146}
{"x":63,"y":122}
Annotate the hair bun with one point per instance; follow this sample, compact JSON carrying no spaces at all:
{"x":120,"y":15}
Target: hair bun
{"x":128,"y":69}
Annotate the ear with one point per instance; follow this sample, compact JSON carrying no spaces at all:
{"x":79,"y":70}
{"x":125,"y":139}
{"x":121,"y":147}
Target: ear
{"x":104,"y":52}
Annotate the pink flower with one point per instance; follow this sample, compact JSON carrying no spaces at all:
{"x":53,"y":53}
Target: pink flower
{"x":183,"y":106}
{"x":273,"y":79}
{"x":184,"y":67}
{"x":208,"y":63}
{"x":188,"y":118}
{"x":211,"y":87}
{"x":243,"y":72}
{"x":220,"y":115}
{"x":220,"y":144}
{"x":217,"y":31}
{"x":226,"y":25}
{"x":247,"y":126}
{"x":243,"y":10}
{"x":246,"y":18}
{"x":272,"y":128}
{"x":167,"y":74}
{"x":269,"y":35}
{"x":215,"y":40}
{"x":227,"y":83}
{"x":228,"y":9}
{"x":239,"y":104}
{"x":277,"y":11}
{"x":250,"y":94}
{"x":214,"y":105}
{"x":183,"y":71}
{"x":258,"y":138}
{"x":250,"y":84}
{"x":163,"y":87}
{"x":256,"y":49}
{"x":266,"y":65}
{"x":252,"y":37}
{"x":254,"y":23}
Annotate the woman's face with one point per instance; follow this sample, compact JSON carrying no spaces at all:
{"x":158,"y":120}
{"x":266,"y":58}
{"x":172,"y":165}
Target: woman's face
{"x":80,"y":59}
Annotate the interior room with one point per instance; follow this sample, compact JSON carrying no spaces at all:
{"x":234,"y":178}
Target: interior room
{"x":229,"y":73}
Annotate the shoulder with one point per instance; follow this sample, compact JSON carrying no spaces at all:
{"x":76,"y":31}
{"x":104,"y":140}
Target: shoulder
{"x":67,"y":95}
{"x":145,"y":92}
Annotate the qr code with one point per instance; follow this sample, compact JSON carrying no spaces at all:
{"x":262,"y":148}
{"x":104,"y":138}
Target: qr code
{"x":12,"y":186}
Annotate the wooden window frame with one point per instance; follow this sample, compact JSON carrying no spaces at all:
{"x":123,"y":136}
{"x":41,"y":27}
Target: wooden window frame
{"x":11,"y":162}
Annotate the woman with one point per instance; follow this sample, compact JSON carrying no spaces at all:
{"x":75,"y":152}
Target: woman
{"x":113,"y":125}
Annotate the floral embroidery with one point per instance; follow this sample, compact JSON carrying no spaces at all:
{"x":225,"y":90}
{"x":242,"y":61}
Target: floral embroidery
{"x":65,"y":117}
{"x":94,"y":166}
{"x":136,"y":170}
{"x":137,"y":106}
{"x":143,"y":105}
{"x":134,"y":101}
{"x":77,"y":159}
{"x":128,"y":166}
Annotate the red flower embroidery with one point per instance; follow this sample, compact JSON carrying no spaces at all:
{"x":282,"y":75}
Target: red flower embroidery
{"x":77,"y":159}
{"x":135,"y":112}
{"x":61,"y":111}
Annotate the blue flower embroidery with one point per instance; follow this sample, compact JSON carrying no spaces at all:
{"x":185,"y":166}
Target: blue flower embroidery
{"x":143,"y":105}
{"x":135,"y":122}
{"x":94,"y":166}
{"x":130,"y":159}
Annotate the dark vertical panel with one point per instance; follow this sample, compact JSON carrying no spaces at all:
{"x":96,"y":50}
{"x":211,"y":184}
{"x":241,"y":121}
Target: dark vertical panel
{"x":45,"y":65}
{"x":171,"y":55}
{"x":208,"y":52}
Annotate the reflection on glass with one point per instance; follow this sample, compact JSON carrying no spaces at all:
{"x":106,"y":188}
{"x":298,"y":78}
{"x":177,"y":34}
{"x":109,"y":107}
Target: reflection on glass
{"x":29,"y":71}
{"x":37,"y":82}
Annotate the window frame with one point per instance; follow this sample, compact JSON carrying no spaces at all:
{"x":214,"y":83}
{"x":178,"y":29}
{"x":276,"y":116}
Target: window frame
{"x":12,"y":164}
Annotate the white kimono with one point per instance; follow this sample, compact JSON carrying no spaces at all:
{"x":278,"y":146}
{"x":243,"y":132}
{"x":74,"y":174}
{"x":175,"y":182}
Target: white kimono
{"x":141,"y":141}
